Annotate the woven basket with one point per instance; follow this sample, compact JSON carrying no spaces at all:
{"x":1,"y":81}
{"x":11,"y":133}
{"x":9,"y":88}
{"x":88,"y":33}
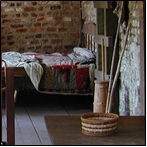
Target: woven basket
{"x":99,"y":124}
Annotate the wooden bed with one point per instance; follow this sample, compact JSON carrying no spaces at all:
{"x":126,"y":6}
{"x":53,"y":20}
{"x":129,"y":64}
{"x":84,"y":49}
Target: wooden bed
{"x":66,"y":70}
{"x":59,"y":79}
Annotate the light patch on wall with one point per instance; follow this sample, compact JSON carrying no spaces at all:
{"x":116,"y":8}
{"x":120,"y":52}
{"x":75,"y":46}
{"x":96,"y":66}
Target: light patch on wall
{"x":9,"y":10}
{"x":67,"y":19}
{"x":50,"y":18}
{"x":28,"y":43}
{"x":3,"y":4}
{"x":19,"y":9}
{"x":26,"y":3}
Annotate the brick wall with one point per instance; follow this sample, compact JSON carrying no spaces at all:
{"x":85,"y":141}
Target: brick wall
{"x":40,"y":26}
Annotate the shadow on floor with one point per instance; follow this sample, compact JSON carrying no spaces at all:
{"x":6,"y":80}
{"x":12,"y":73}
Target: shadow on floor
{"x":35,"y":98}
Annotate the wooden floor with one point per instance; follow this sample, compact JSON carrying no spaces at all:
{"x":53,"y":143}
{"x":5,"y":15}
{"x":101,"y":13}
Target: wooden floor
{"x":30,"y":109}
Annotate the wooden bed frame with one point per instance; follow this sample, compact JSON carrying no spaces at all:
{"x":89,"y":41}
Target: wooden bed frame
{"x":17,"y":71}
{"x":10,"y":111}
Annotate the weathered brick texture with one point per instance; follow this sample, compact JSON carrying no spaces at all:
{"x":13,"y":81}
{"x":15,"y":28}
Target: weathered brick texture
{"x":49,"y":23}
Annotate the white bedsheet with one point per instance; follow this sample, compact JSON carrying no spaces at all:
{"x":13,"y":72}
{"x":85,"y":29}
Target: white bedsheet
{"x":55,"y":59}
{"x":30,"y":64}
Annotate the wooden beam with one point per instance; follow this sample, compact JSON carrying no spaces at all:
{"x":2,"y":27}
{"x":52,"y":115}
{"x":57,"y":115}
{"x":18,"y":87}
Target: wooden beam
{"x":10,"y":107}
{"x":18,"y":71}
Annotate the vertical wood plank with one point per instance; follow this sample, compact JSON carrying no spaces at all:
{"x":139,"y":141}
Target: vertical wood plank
{"x":10,"y":106}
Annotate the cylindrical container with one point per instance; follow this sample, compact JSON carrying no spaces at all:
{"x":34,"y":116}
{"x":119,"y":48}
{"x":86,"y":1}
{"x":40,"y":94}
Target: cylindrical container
{"x":100,"y":96}
{"x":99,"y":124}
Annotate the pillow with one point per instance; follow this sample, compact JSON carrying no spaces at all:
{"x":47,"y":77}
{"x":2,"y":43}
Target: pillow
{"x":83,"y":52}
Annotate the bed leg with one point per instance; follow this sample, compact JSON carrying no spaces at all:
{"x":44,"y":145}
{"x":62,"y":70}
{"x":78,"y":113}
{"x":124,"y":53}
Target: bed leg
{"x":15,"y":95}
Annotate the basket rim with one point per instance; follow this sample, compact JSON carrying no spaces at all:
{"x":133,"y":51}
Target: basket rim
{"x":84,"y":118}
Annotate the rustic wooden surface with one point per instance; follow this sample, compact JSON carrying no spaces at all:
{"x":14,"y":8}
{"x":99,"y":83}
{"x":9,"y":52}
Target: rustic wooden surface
{"x":66,"y":130}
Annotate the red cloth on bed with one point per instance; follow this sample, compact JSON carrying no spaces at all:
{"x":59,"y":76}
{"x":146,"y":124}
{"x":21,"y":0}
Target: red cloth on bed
{"x":82,"y":78}
{"x":65,"y":70}
{"x":82,"y":75}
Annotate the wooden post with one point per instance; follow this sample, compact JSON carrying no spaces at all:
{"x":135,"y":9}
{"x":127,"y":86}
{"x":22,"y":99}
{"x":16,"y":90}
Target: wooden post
{"x":103,"y":60}
{"x":10,"y":107}
{"x":104,"y":41}
{"x":113,"y":57}
{"x":117,"y":72}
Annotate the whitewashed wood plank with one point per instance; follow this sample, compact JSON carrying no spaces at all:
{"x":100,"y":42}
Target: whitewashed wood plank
{"x":27,"y":129}
{"x":18,"y":135}
{"x":4,"y":131}
{"x":37,"y":114}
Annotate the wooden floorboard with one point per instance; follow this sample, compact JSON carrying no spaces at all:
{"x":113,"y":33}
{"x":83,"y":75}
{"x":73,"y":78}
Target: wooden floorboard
{"x":18,"y":135}
{"x":37,"y":114}
{"x":30,"y":109}
{"x":4,"y":131}
{"x":28,"y":132}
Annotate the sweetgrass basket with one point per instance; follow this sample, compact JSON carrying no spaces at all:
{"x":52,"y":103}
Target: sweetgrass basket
{"x":99,"y":124}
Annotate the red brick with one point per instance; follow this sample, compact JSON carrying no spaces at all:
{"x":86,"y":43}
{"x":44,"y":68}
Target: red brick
{"x":15,"y":21}
{"x":56,"y":41}
{"x":40,"y":19}
{"x":51,"y":29}
{"x":21,"y":30}
{"x":11,"y":43}
{"x":38,"y":47}
{"x":40,"y":29}
{"x":40,"y":8}
{"x":17,"y":25}
{"x":64,"y":2}
{"x":34,"y":3}
{"x":41,"y":14}
{"x":4,"y":16}
{"x":74,"y":35}
{"x":75,"y":6}
{"x":19,"y":4}
{"x":62,"y":29}
{"x":38,"y":36}
{"x":37,"y":24}
{"x":5,"y":20}
{"x":25,"y":14}
{"x":45,"y":24}
{"x":17,"y":15}
{"x":28,"y":9}
{"x":57,"y":16}
{"x":33,"y":30}
{"x":33,"y":14}
{"x":12,"y":5}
